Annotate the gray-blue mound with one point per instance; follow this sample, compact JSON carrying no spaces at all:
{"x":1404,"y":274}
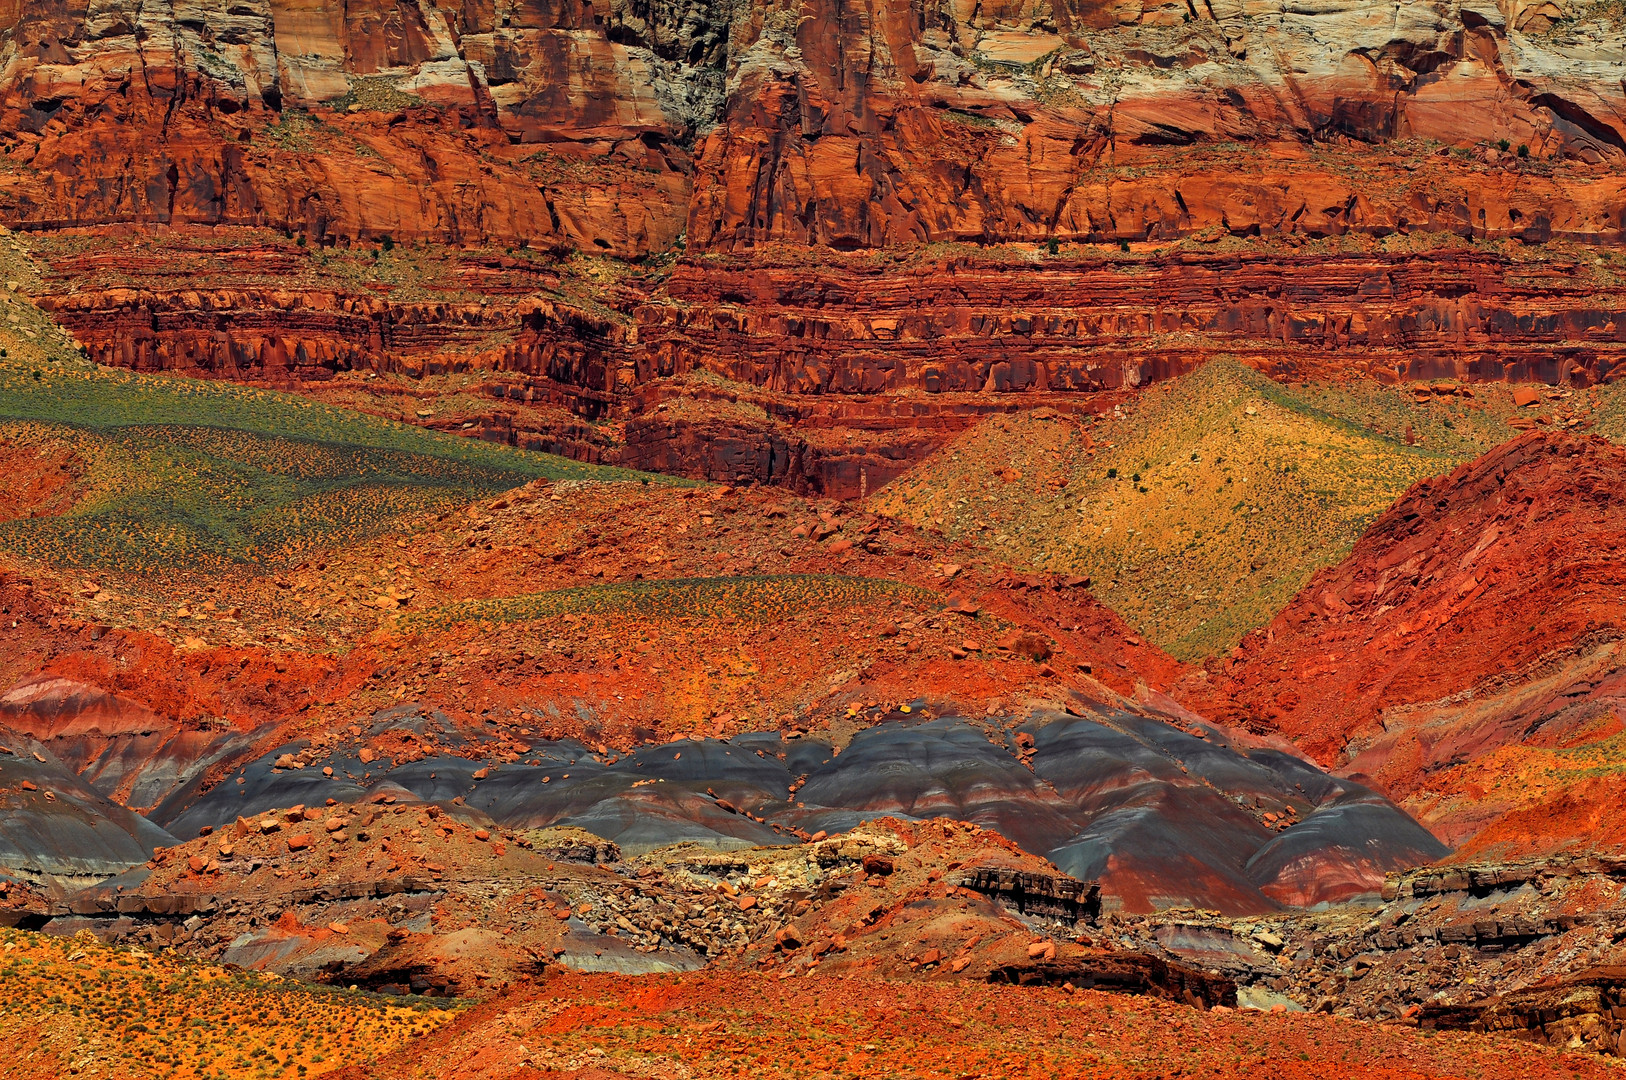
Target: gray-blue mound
{"x":1162,"y":817}
{"x":58,"y":830}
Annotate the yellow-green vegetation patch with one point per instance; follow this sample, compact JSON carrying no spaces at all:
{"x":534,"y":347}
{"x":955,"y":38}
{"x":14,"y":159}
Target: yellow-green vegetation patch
{"x":1203,"y":508}
{"x":754,"y":598}
{"x":136,"y":1014}
{"x":1461,"y":420}
{"x":188,"y":474}
{"x":379,"y":94}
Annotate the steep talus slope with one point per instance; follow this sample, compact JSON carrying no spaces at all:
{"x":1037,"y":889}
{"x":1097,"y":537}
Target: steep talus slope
{"x":1463,"y":658}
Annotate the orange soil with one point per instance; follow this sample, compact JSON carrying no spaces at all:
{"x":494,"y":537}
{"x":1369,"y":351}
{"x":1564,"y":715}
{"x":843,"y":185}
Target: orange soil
{"x":717,"y":1025}
{"x":318,"y":646}
{"x":39,"y":480}
{"x":72,"y":1006}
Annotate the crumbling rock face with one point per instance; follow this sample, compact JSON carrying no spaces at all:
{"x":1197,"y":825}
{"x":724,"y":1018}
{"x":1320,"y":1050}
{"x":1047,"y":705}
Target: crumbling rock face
{"x":887,"y":125}
{"x":1054,"y":894}
{"x":738,"y":454}
{"x":1580,"y":1012}
{"x":275,"y":335}
{"x":425,"y":899}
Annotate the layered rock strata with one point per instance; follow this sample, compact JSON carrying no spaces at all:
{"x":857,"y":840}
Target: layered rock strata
{"x":838,"y":377}
{"x":876,"y":126}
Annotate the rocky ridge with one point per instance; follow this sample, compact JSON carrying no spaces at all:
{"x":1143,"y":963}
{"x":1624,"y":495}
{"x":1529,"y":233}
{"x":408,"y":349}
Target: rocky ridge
{"x":1474,"y":622}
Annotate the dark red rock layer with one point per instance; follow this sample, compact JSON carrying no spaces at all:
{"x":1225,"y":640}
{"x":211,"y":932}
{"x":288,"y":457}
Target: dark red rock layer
{"x":860,"y":326}
{"x":970,"y":324}
{"x":885,"y":358}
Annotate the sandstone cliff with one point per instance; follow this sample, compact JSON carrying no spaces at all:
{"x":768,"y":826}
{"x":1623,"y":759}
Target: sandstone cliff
{"x":616,"y":126}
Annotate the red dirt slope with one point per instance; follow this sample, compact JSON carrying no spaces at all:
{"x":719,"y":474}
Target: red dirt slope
{"x":599,"y":1027}
{"x":1466,"y":651}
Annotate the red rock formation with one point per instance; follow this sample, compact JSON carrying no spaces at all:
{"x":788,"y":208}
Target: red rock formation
{"x":837,"y":446}
{"x":755,"y":134}
{"x":849,"y":368}
{"x":889,"y":124}
{"x":121,"y":747}
{"x":264,"y":115}
{"x":864,"y":326}
{"x":860,"y":327}
{"x":1479,"y":615}
{"x":884,"y":124}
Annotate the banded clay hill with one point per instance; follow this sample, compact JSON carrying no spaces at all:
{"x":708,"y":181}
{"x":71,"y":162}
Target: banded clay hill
{"x":701,"y":540}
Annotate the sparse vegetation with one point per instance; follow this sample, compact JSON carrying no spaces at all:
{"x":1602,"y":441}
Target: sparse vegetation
{"x":1238,"y":489}
{"x":187,"y":473}
{"x":757,"y":597}
{"x":164,"y":1016}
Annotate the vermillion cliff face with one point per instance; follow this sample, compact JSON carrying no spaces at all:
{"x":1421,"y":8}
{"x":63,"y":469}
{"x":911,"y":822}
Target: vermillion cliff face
{"x":871,"y":126}
{"x":883,"y":126}
{"x":826,"y":200}
{"x":427,"y":123}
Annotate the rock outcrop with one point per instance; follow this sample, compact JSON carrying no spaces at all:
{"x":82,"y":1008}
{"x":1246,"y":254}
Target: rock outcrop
{"x":834,"y":375}
{"x":59,"y":833}
{"x":1158,"y":815}
{"x":411,"y":120}
{"x":883,"y":127}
